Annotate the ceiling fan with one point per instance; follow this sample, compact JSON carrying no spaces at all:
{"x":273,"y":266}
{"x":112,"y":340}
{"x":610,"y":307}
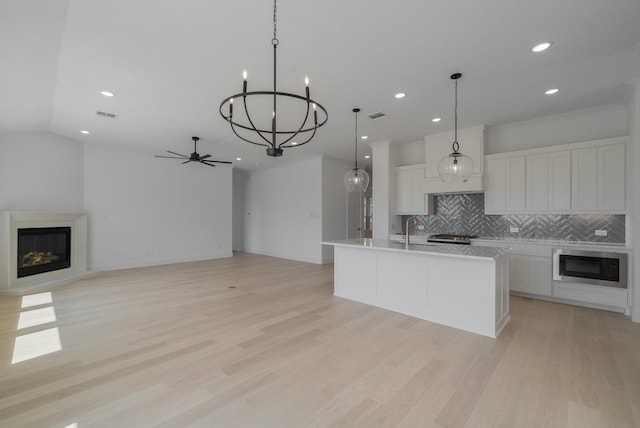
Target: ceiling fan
{"x":195,"y":156}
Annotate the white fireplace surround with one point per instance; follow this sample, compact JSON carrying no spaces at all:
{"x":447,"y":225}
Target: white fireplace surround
{"x":11,"y":221}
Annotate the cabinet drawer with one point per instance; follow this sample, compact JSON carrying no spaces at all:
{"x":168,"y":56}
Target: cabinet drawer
{"x":606,"y":296}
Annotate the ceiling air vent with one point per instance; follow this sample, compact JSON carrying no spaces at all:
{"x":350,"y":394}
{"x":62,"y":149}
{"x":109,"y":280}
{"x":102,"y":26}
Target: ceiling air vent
{"x":107,"y":115}
{"x":377,"y":115}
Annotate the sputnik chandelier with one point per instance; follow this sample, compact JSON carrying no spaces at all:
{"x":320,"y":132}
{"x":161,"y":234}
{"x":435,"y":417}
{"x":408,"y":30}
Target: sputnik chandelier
{"x":274,"y":139}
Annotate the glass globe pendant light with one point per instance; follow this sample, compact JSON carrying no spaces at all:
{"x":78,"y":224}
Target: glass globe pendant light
{"x":357,"y":179}
{"x":456,"y":166}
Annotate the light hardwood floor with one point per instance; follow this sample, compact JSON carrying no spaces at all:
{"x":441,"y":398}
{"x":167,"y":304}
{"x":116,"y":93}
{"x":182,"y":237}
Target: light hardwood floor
{"x":254,"y":341}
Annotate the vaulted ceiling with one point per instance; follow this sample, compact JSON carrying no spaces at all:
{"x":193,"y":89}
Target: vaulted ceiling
{"x":171,"y":63}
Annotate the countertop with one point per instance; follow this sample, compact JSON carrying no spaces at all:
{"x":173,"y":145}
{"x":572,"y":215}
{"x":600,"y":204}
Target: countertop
{"x":595,"y":246}
{"x":453,"y":250}
{"x":558,"y":243}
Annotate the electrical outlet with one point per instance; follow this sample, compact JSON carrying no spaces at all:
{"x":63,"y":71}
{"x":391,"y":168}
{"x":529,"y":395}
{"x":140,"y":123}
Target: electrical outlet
{"x":601,"y":232}
{"x":420,"y":227}
{"x":514,"y":229}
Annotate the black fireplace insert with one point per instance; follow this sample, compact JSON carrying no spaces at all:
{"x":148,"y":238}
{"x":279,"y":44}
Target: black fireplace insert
{"x":43,"y":249}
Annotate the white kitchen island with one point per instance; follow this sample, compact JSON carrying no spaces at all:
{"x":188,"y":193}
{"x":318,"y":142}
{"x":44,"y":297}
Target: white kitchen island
{"x":456,"y":285}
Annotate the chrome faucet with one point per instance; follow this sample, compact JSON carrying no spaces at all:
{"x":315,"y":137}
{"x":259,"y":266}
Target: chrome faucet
{"x":407,"y":230}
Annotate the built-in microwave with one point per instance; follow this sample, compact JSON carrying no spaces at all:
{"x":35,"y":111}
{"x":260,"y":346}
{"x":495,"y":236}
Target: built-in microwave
{"x":590,"y":267}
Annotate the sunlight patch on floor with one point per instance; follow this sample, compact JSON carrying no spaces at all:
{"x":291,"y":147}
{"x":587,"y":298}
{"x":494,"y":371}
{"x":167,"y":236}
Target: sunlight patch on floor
{"x":36,"y":299}
{"x":36,"y":317}
{"x":36,"y":344}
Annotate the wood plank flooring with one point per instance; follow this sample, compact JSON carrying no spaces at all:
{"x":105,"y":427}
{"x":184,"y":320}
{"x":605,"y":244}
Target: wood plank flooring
{"x":255,"y":341}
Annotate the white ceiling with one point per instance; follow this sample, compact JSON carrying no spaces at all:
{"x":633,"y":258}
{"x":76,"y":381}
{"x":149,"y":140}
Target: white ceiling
{"x":172,"y":62}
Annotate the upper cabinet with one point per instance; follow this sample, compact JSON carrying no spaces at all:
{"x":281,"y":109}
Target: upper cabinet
{"x":548,"y":186}
{"x":472,"y":142}
{"x":410,"y":195}
{"x":505,"y":181}
{"x":599,"y":177}
{"x":578,"y":178}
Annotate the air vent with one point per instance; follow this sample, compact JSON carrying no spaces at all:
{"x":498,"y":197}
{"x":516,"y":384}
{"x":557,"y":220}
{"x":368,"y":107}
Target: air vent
{"x":377,"y":115}
{"x":107,"y":115}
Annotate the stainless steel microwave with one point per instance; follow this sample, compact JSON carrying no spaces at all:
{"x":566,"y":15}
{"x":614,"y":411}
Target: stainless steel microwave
{"x":590,"y":267}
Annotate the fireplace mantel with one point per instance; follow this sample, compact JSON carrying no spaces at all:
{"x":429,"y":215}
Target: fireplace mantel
{"x":11,"y":221}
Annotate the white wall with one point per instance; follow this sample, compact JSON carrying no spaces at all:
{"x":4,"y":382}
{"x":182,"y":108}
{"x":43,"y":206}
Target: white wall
{"x":334,"y":203}
{"x":148,"y":211}
{"x":385,"y":222}
{"x":283,"y":210}
{"x":238,"y":210}
{"x":41,"y":172}
{"x":634,"y":188}
{"x":595,"y":123}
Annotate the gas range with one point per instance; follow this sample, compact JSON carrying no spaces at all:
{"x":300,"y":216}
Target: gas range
{"x":451,"y":239}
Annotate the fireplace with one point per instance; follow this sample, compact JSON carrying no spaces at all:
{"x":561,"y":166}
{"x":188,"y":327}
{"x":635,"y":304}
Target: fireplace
{"x":40,"y":248}
{"x":43,"y":249}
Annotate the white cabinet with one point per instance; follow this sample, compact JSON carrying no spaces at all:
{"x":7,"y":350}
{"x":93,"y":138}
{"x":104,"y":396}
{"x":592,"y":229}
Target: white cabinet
{"x":548,"y":186}
{"x":505,"y":181}
{"x":611,"y":178}
{"x":472,"y":142}
{"x":540,"y":270}
{"x":519,"y":273}
{"x":530,"y":274}
{"x":410,"y":196}
{"x":559,"y":176}
{"x":578,"y":178}
{"x":530,"y":266}
{"x":598,"y":179}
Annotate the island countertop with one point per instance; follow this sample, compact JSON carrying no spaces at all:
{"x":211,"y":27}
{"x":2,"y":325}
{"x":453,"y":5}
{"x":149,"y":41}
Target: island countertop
{"x":453,"y":250}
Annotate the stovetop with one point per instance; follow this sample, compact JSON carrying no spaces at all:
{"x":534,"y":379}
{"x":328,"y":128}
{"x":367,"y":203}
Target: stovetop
{"x":450,"y":238}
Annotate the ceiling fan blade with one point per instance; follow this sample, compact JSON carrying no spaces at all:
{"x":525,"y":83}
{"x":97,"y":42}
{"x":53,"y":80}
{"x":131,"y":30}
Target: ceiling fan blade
{"x":178,"y":154}
{"x":205,"y":156}
{"x":206,"y":163}
{"x":219,"y":161}
{"x":189,"y":160}
{"x":168,"y":157}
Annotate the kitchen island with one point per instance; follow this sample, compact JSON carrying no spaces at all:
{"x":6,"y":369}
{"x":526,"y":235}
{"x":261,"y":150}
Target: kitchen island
{"x":456,"y":285}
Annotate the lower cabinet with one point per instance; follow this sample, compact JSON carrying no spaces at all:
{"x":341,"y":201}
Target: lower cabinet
{"x":530,"y":274}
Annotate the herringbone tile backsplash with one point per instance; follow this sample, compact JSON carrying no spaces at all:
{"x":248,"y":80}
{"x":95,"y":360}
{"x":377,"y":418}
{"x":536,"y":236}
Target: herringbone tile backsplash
{"x":464,"y":214}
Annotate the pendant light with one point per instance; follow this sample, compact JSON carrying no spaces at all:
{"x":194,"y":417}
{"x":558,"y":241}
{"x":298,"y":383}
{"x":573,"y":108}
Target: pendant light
{"x":456,"y":166}
{"x":357,"y":179}
{"x":247,"y":128}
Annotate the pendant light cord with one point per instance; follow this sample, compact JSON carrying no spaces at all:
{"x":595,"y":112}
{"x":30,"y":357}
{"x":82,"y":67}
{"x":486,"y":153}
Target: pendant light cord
{"x":455,"y":145}
{"x":356,"y":111}
{"x":455,"y":117}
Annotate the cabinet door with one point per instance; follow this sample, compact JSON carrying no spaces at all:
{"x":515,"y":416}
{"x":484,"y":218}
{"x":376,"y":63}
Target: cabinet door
{"x":541,"y":273}
{"x":515,"y":184}
{"x":559,"y":173}
{"x":584,"y":179}
{"x":537,"y":182}
{"x":611,"y":177}
{"x":403,"y":191}
{"x":417,"y":194}
{"x":519,"y":273}
{"x":496,"y":179}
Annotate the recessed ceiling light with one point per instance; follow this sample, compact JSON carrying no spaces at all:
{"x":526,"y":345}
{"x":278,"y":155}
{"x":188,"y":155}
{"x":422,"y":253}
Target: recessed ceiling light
{"x":364,"y":137}
{"x":238,"y":158}
{"x":107,"y":93}
{"x":400,"y":95}
{"x":552,"y":91}
{"x":294,"y":143}
{"x":367,"y":156}
{"x":541,"y":47}
{"x":85,"y":132}
{"x":436,"y":119}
